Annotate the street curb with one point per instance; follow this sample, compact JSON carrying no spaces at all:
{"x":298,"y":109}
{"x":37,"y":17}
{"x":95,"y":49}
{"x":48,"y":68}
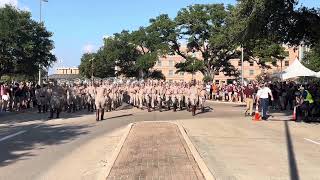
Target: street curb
{"x":105,"y":171}
{"x":201,"y":164}
{"x":225,"y":102}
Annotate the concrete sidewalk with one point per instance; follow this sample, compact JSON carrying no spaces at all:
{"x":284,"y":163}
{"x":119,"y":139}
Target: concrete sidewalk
{"x":240,"y":149}
{"x":155,"y":150}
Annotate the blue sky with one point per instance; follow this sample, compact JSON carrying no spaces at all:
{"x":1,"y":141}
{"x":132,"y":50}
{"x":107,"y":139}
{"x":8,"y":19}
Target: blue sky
{"x":79,"y":25}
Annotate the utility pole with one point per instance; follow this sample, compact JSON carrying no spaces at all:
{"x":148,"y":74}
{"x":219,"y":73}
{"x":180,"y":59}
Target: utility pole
{"x":242,"y":73}
{"x":91,"y":60}
{"x":40,"y":80}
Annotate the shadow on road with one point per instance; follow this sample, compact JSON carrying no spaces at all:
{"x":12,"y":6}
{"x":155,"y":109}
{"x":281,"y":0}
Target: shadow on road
{"x":20,"y":147}
{"x":293,"y":169}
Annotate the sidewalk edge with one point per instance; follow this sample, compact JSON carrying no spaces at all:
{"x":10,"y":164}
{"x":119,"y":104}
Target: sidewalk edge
{"x":105,"y":171}
{"x":202,"y":166}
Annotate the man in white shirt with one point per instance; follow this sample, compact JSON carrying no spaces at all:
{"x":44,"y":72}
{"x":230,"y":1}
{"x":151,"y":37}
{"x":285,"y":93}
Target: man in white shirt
{"x":263,"y":98}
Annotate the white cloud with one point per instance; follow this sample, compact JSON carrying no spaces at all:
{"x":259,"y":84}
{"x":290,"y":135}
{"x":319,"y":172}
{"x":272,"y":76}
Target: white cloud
{"x":89,"y":48}
{"x":14,"y":3}
{"x":25,"y":8}
{"x":9,"y":2}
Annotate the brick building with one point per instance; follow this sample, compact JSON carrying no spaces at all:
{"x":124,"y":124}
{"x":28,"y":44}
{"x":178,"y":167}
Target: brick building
{"x":251,"y":70}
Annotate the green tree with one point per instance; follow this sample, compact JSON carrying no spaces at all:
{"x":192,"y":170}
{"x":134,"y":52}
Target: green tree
{"x":124,"y":54}
{"x":96,"y":64}
{"x":281,"y":21}
{"x":205,"y":30}
{"x":312,"y":59}
{"x":24,"y":43}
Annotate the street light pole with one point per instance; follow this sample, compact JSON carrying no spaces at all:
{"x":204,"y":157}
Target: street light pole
{"x":242,"y":79}
{"x":40,"y":81}
{"x":91,"y":60}
{"x":194,"y":56}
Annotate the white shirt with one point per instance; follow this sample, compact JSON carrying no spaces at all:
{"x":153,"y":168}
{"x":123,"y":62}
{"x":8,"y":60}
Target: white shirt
{"x":264,"y":93}
{"x":208,"y":87}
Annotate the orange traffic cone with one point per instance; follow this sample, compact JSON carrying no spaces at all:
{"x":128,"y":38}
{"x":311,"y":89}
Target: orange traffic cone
{"x":257,"y":116}
{"x":294,"y":118}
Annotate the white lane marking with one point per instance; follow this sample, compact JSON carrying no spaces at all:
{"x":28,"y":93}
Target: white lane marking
{"x":37,"y":126}
{"x":312,"y":141}
{"x":12,"y":135}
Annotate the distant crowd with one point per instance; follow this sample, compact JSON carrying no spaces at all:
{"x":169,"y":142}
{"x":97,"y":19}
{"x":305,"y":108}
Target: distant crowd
{"x":281,"y":96}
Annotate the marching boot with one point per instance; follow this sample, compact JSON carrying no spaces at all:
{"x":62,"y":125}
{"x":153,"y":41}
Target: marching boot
{"x":102,"y":114}
{"x":97,"y":115}
{"x":58,"y":113}
{"x":188,"y":108}
{"x":88,"y":105}
{"x":174,"y":107}
{"x":193,"y":110}
{"x":160,"y":106}
{"x":39,"y":109}
{"x":44,"y":109}
{"x":202,"y":108}
{"x":51,"y":114}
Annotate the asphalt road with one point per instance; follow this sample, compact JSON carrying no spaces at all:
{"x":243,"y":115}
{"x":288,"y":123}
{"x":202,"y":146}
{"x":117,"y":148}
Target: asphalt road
{"x":30,"y":144}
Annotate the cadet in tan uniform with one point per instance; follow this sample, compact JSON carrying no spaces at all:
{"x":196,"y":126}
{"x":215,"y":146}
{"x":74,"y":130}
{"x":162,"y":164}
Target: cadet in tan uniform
{"x":100,"y":102}
{"x":193,"y":96}
{"x":56,"y":93}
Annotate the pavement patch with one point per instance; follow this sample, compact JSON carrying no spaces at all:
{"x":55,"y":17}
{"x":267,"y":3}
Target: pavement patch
{"x":155,"y":150}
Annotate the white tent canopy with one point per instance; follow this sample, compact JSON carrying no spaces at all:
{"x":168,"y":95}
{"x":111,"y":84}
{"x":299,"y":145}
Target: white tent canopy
{"x":296,"y":69}
{"x":318,"y":74}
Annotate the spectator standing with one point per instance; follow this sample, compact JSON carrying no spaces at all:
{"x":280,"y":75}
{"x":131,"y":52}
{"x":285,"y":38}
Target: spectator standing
{"x":248,"y":92}
{"x":263,"y":98}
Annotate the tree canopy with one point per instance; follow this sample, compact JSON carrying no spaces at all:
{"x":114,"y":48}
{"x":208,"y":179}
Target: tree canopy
{"x":208,"y":36}
{"x":24,"y":43}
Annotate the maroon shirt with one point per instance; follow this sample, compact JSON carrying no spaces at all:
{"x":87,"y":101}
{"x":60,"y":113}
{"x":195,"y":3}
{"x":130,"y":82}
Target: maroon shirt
{"x":248,"y":92}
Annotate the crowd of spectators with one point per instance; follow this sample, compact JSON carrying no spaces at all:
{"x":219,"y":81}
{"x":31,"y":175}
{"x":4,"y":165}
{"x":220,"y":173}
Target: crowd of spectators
{"x":17,"y":96}
{"x":285,"y":95}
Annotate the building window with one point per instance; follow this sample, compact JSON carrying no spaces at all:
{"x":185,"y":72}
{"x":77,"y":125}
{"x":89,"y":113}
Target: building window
{"x":239,"y":63}
{"x":216,"y":73}
{"x":170,"y":81}
{"x":170,"y":72}
{"x":217,"y":82}
{"x":171,"y":63}
{"x":251,"y":72}
{"x":251,"y":63}
{"x":286,"y":63}
{"x":159,"y":62}
{"x":181,"y":73}
{"x":70,"y":71}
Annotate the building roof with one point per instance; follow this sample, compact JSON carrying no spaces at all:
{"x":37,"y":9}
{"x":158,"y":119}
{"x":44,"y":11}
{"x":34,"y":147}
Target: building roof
{"x":64,"y":76}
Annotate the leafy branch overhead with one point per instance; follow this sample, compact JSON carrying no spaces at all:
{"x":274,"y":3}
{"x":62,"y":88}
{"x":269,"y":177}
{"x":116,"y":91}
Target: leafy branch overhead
{"x":24,"y":43}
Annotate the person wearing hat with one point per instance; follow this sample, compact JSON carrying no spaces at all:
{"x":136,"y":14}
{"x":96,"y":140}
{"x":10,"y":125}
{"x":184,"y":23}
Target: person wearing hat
{"x":263,"y":98}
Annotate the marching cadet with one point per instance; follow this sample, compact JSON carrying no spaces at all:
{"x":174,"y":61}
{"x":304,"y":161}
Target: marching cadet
{"x":174,"y":99}
{"x":141,"y":95}
{"x":160,"y":95}
{"x":41,"y":98}
{"x":202,"y":97}
{"x":91,"y":92}
{"x":56,"y":95}
{"x":186,"y":93}
{"x":153,"y":95}
{"x":100,"y":101}
{"x":167,"y":96}
{"x":193,"y":97}
{"x":180,"y":96}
